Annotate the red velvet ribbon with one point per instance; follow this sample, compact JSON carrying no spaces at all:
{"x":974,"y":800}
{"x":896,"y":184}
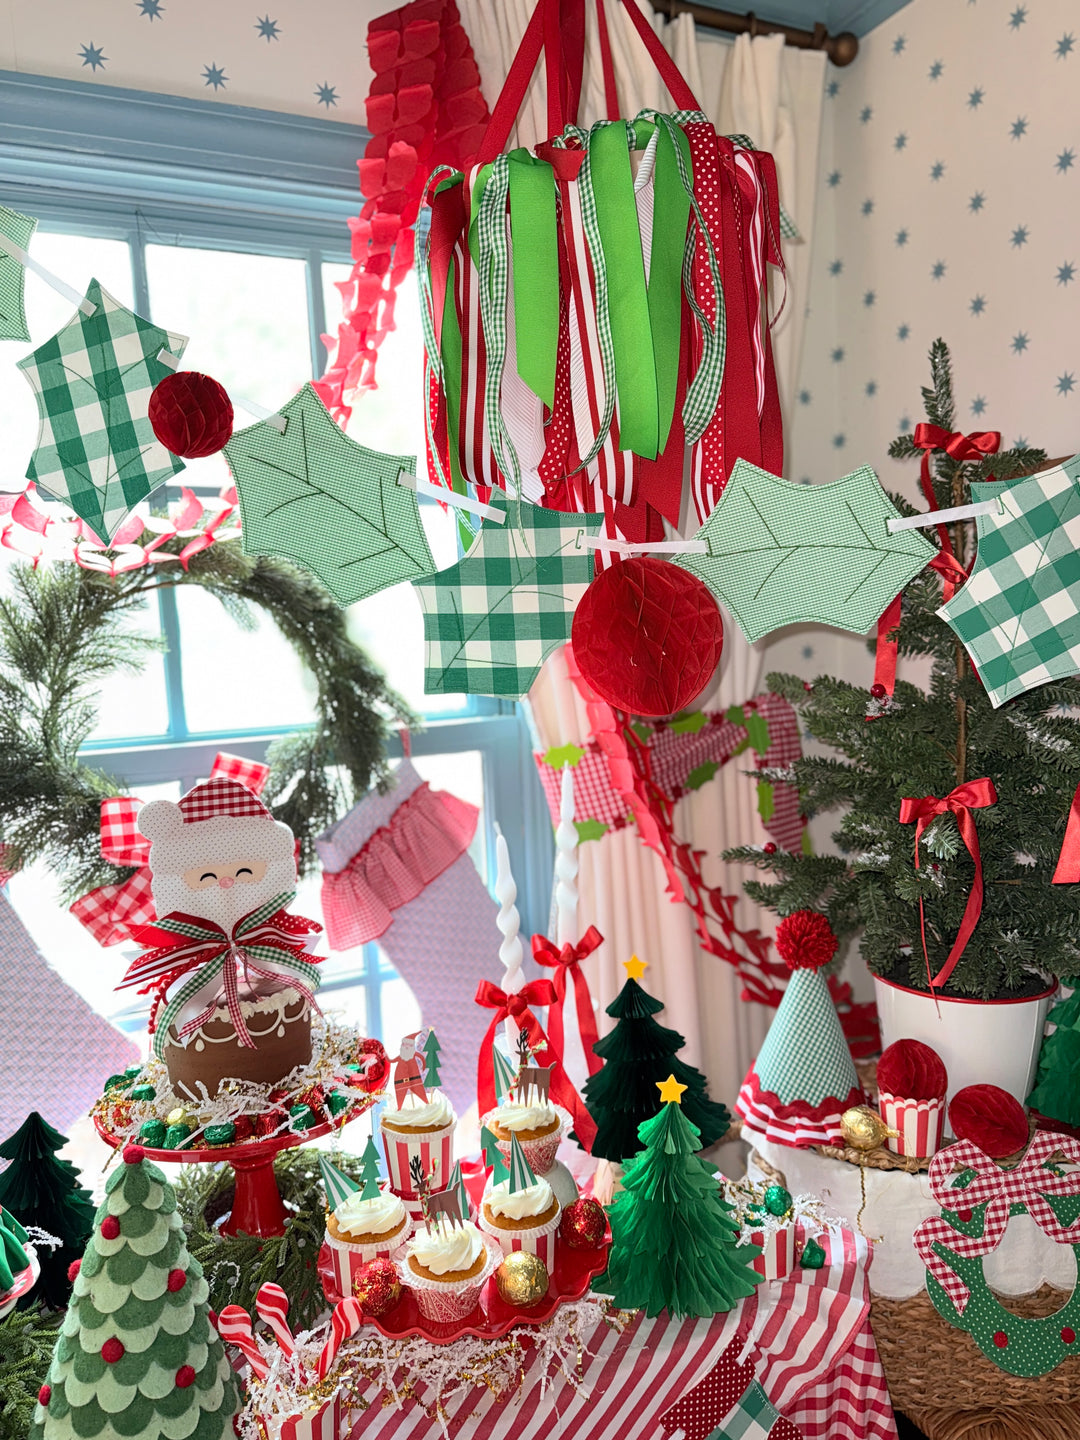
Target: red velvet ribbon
{"x":567,"y":961}
{"x":922,"y":809}
{"x":1068,"y":865}
{"x":517,"y":1006}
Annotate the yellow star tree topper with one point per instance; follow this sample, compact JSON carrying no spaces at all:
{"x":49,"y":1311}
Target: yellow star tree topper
{"x":634,"y":967}
{"x":671,"y":1092}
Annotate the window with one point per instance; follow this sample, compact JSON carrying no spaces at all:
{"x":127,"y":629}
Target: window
{"x":244,"y":260}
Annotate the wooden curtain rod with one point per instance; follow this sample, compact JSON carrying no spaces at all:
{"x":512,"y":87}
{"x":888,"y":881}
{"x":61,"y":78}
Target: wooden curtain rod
{"x":841,"y":49}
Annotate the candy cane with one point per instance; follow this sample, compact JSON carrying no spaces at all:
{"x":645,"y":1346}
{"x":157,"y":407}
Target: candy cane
{"x":273,"y":1306}
{"x":234,"y":1327}
{"x":345,"y":1321}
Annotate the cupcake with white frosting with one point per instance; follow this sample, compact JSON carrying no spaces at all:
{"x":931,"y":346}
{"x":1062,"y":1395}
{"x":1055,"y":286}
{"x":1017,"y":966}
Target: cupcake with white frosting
{"x":361,"y":1225}
{"x":445,"y":1264}
{"x":423,"y":1129}
{"x":525,"y":1219}
{"x":535,"y":1122}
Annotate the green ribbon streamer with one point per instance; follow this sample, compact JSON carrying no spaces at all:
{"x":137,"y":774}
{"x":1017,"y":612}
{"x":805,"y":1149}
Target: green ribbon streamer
{"x":536,"y":271}
{"x":671,"y":212}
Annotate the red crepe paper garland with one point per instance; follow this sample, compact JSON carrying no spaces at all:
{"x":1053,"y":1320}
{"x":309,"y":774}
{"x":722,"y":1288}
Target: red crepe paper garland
{"x":912,"y":1070}
{"x":990,"y":1118}
{"x":647,"y":636}
{"x":191,"y":414}
{"x":805,"y":940}
{"x":424,"y":108}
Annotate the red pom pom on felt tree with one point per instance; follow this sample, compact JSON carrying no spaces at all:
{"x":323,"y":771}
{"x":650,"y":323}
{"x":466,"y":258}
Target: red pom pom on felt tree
{"x":647,"y":636}
{"x":110,"y":1228}
{"x":191,"y":414}
{"x":805,"y":940}
{"x":912,"y":1071}
{"x":990,"y":1118}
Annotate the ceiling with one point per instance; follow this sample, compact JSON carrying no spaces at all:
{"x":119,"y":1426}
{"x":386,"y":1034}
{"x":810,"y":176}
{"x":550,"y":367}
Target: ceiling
{"x":859,"y":16}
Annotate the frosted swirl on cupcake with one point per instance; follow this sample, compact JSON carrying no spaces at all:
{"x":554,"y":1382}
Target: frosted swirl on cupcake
{"x":519,"y":1204}
{"x":537,"y":1114}
{"x":447,"y":1249}
{"x":416,"y":1114}
{"x":379,"y":1216}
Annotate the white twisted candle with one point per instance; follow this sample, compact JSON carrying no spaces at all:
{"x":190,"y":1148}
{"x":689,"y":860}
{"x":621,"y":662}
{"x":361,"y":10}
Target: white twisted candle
{"x":508,"y":921}
{"x":566,"y":865}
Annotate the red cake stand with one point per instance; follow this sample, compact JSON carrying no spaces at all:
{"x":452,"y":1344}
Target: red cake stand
{"x":257,"y":1206}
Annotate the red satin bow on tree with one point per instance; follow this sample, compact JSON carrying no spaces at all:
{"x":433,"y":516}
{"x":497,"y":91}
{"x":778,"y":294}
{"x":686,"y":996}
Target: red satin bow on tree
{"x":922,"y":809}
{"x":960,"y":447}
{"x":516,"y":1006}
{"x":567,"y":961}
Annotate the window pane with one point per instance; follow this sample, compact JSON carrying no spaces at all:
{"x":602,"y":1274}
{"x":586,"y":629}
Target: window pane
{"x":77,"y":259}
{"x":135,"y":704}
{"x":237,"y":679}
{"x":247,"y":316}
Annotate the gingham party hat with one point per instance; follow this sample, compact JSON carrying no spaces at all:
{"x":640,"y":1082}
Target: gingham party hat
{"x":804,"y":1077}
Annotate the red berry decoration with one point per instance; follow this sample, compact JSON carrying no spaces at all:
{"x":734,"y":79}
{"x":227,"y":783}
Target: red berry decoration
{"x":1068,"y":1334}
{"x":176,"y":1281}
{"x":878,"y":691}
{"x":583,"y":1225}
{"x":73,"y":1270}
{"x":647,"y":636}
{"x":44,"y":1395}
{"x":377,"y":1286}
{"x":191,"y":414}
{"x":769,"y":847}
{"x":805,"y":940}
{"x":110,"y":1228}
{"x":185,"y":1376}
{"x":1000,"y":1339}
{"x":134,"y":1154}
{"x":112,"y":1351}
{"x":912,"y":1071}
{"x":990,"y":1118}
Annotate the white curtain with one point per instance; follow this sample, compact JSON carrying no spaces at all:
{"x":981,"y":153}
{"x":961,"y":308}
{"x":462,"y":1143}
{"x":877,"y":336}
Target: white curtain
{"x":772,"y":94}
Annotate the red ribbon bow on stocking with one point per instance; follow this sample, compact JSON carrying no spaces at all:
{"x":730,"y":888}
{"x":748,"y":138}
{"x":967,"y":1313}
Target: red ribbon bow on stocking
{"x":516,"y":1006}
{"x":567,"y":961}
{"x":922,"y":809}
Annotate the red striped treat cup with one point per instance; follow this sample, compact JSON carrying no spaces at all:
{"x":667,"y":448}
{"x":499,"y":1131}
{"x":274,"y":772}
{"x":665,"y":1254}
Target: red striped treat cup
{"x":445,"y":1302}
{"x":434,"y":1147}
{"x":320,"y":1422}
{"x":777,"y":1257}
{"x":540,"y":1153}
{"x":919,"y":1122}
{"x":347,"y":1258}
{"x":538,"y":1240}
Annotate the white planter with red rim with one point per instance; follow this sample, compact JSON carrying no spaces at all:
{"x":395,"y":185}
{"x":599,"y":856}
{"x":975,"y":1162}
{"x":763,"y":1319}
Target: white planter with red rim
{"x":982,"y":1042}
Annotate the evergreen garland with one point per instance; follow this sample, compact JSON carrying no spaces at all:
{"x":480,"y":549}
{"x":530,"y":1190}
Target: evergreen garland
{"x":65,"y":630}
{"x":926,"y":743}
{"x":27,"y":1338}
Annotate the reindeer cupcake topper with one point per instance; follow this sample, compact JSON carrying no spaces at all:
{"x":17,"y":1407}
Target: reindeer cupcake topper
{"x":434,"y":1204}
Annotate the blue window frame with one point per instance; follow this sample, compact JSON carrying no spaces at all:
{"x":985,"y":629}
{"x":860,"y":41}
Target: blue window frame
{"x":148,"y":170}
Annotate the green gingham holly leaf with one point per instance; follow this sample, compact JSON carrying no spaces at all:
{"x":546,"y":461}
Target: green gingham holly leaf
{"x":491,"y":620}
{"x":781,"y":554}
{"x":19,"y":229}
{"x":316,"y":497}
{"x":96,"y":449}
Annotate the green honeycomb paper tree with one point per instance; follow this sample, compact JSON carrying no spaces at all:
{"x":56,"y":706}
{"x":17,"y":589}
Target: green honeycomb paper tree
{"x":137,"y":1354}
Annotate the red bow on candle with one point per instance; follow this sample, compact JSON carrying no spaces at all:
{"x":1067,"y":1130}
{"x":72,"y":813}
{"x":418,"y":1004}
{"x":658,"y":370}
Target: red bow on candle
{"x":922,"y":809}
{"x":567,"y":961}
{"x":516,"y":1006}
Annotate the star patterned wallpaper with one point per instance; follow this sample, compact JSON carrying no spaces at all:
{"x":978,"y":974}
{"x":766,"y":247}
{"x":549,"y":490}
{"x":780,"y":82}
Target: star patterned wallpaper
{"x":306,"y":58}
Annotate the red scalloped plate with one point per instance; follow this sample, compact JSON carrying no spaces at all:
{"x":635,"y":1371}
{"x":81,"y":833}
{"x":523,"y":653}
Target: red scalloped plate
{"x":572,"y":1276}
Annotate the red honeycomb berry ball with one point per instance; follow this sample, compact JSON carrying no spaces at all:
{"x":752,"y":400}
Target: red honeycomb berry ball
{"x":112,"y":1351}
{"x":185,"y":1376}
{"x":191,"y":414}
{"x":110,"y":1228}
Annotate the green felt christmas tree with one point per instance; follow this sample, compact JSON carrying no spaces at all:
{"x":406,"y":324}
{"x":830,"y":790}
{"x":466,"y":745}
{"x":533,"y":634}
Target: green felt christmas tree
{"x":673,"y":1235}
{"x":1057,"y":1084}
{"x":137,"y":1354}
{"x":38,"y":1189}
{"x":637,"y":1055}
{"x":432,"y":1050}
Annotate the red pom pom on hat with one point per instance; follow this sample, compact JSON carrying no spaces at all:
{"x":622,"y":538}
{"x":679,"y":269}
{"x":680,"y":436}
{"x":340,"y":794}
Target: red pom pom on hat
{"x":990,"y":1118}
{"x":134,"y":1155}
{"x":191,"y":414}
{"x":647,"y":636}
{"x":911,"y":1070}
{"x":805,"y":940}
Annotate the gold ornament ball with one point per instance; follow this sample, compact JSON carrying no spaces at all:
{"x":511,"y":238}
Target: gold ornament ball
{"x":863,"y":1128}
{"x":522,"y":1279}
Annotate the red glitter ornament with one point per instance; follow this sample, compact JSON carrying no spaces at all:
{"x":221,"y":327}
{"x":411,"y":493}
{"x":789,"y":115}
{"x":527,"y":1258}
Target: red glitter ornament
{"x":990,"y":1118}
{"x":110,"y":1228}
{"x":112,"y":1351}
{"x":134,"y":1154}
{"x":583,"y":1225}
{"x":805,"y":940}
{"x":647,"y":636}
{"x":377,"y":1286}
{"x":191,"y":414}
{"x":44,"y":1395}
{"x":176,"y":1281}
{"x":73,"y":1270}
{"x":185,"y":1376}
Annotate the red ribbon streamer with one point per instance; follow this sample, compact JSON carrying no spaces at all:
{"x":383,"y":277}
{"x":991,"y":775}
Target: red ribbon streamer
{"x":959,"y":447}
{"x":885,"y":656}
{"x":1068,"y":865}
{"x":975,"y":794}
{"x":567,"y":961}
{"x":516,"y":1006}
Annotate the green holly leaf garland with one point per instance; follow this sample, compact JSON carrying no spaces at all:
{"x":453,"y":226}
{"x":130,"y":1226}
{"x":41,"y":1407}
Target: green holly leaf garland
{"x":20,"y":229}
{"x":560,"y":755}
{"x":590,"y":830}
{"x":318,"y":498}
{"x":701,"y":774}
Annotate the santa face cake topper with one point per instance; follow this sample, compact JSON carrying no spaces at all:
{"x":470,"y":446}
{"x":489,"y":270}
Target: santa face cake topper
{"x":218,"y":854}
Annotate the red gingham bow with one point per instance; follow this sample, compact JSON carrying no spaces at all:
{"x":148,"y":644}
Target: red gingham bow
{"x":516,"y":1006}
{"x":921,"y":809}
{"x":1028,"y":1184}
{"x":567,"y":961}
